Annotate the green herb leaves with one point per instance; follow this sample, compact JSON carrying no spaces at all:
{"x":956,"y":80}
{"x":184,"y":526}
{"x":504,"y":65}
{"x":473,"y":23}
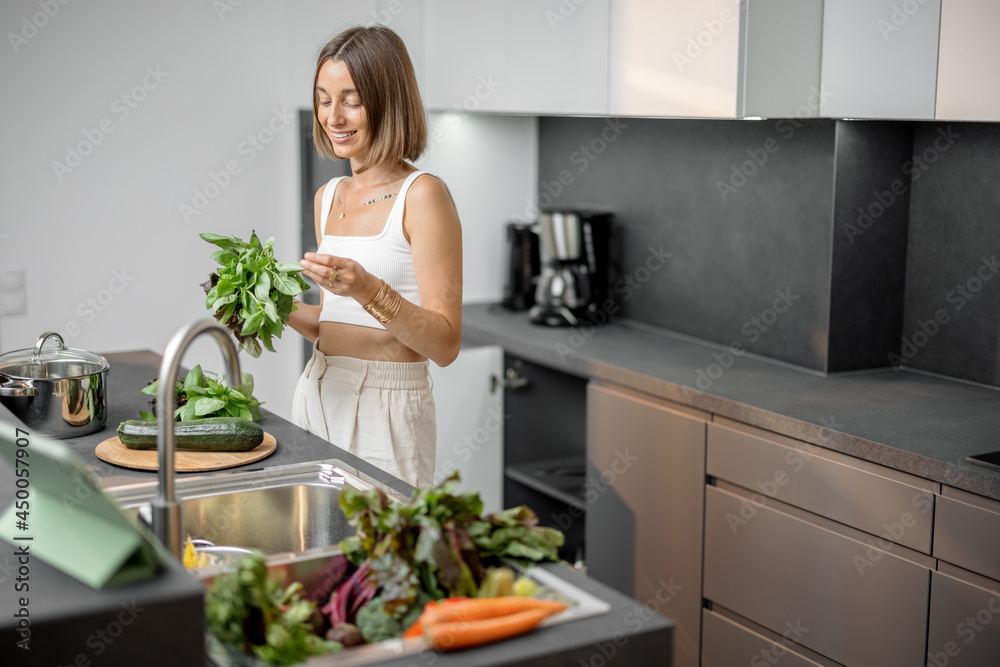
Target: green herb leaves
{"x":252,"y":292}
{"x":247,"y":610}
{"x":205,"y":394}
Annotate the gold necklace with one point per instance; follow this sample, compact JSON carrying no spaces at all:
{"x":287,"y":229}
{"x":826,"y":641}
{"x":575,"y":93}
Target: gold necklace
{"x":344,"y":211}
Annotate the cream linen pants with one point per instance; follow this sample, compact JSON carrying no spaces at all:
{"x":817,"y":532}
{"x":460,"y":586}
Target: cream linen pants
{"x":381,"y":411}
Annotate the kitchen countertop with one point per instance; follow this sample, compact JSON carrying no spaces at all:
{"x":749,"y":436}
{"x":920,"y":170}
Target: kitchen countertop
{"x":910,"y":421}
{"x":60,"y":605}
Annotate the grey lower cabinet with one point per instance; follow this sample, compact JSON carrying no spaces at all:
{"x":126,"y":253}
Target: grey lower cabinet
{"x":728,"y":642}
{"x":860,"y":603}
{"x":645,"y":496}
{"x":964,"y":626}
{"x":967,"y":532}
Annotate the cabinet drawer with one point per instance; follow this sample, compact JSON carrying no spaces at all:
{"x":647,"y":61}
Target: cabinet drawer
{"x":967,"y":532}
{"x":839,"y":487}
{"x":775,"y":568}
{"x":725,"y":643}
{"x":964,"y":627}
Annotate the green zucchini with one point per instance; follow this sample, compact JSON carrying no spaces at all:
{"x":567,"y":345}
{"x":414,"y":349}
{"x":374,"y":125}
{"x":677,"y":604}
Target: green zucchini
{"x":213,"y":434}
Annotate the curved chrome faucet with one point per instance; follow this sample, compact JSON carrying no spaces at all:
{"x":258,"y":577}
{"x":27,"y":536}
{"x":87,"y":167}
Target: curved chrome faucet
{"x":166,"y":512}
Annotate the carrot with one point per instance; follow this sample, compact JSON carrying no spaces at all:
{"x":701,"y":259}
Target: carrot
{"x":475,"y":609}
{"x":461,"y":634}
{"x":417,"y":629}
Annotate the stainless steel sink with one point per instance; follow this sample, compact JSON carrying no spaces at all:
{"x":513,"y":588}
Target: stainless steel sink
{"x":281,"y":510}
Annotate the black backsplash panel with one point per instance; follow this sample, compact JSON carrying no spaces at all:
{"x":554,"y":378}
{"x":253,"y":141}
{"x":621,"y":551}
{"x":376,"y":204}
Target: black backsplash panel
{"x":951,"y":323}
{"x":744,"y":207}
{"x":884,"y":236}
{"x":872,"y":203}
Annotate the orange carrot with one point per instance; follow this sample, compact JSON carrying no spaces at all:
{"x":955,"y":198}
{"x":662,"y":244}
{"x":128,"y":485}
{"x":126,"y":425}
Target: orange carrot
{"x":475,"y":609}
{"x":417,"y":629}
{"x":461,"y":634}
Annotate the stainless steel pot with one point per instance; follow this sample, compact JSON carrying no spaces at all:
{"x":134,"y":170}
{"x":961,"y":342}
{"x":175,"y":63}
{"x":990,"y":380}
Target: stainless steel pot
{"x":59,"y":392}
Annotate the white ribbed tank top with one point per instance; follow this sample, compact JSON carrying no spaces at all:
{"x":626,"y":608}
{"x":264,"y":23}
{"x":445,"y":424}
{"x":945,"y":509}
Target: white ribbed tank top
{"x":386,"y":255}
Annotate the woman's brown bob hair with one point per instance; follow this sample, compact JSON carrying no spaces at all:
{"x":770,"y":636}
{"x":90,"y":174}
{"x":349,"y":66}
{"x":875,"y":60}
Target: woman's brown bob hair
{"x":380,"y":67}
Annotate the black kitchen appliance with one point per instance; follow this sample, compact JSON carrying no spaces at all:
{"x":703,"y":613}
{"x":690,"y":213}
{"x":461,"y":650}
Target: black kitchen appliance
{"x":574,"y":281}
{"x":523,"y":266}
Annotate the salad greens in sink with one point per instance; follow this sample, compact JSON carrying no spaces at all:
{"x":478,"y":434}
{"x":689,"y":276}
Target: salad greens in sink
{"x":436,"y":543}
{"x":405,"y":560}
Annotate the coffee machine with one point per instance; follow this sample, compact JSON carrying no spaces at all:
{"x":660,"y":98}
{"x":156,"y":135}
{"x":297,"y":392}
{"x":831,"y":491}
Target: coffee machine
{"x":574,"y":279}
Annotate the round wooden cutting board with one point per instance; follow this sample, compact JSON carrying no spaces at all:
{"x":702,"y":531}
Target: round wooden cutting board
{"x":113,"y":451}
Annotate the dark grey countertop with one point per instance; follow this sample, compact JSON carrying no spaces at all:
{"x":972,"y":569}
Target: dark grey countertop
{"x":917,"y":423}
{"x":636,"y":635}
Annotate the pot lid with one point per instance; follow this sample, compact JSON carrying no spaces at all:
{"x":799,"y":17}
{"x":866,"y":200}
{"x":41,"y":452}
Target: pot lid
{"x":53,"y":360}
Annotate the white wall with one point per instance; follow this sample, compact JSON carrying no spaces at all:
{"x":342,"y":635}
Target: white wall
{"x":110,"y":260}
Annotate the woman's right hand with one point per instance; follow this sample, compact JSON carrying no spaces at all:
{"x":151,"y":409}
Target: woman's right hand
{"x":341,"y":276}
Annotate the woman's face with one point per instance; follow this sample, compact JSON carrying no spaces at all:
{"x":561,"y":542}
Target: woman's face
{"x":340,"y":111}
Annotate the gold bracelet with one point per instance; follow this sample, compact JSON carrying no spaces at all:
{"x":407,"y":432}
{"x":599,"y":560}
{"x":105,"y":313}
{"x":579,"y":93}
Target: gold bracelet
{"x":385,"y":306}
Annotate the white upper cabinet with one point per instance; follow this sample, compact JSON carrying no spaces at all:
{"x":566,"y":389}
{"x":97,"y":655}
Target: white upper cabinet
{"x":674,"y":58}
{"x":874,"y":59}
{"x":780,"y":55}
{"x":968,"y":61}
{"x":516,"y":56}
{"x":880,"y":58}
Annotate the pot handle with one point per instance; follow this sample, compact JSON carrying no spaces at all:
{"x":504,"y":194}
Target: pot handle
{"x":44,"y":337}
{"x":15,"y":390}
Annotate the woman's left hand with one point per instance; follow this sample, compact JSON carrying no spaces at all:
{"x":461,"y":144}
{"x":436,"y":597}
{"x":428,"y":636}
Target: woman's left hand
{"x":341,"y":276}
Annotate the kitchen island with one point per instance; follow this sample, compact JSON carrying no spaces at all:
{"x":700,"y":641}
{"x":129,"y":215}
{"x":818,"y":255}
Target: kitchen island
{"x":159,"y":621}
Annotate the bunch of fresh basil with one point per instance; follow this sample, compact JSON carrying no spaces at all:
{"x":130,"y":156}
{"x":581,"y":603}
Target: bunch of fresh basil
{"x":204,"y":394}
{"x":251,"y":293}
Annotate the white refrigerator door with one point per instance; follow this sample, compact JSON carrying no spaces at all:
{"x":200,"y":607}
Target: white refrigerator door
{"x":470,"y":418}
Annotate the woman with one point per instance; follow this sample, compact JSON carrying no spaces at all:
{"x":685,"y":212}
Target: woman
{"x":389,"y":263}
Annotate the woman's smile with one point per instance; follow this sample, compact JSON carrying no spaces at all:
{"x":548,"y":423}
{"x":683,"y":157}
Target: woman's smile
{"x":341,"y":137}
